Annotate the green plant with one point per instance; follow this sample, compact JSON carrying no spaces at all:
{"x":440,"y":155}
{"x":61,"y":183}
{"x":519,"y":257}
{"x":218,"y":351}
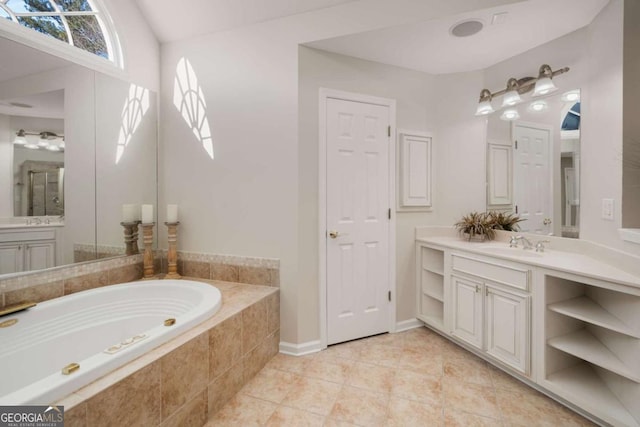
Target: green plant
{"x":476,"y":224}
{"x":505,"y":221}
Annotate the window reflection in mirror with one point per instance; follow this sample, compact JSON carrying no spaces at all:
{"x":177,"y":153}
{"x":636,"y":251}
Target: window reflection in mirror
{"x":533,"y":164}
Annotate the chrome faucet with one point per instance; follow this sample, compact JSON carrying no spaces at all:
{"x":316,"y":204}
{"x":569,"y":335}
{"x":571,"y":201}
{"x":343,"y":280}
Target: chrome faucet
{"x":540,"y":245}
{"x":525,"y":242}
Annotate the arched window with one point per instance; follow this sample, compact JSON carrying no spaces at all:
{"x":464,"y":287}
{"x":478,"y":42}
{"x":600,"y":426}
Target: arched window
{"x":81,"y":23}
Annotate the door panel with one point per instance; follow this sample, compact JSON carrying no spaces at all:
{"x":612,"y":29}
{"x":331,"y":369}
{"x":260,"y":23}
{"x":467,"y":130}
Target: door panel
{"x":467,"y":310}
{"x":532,"y":177}
{"x":507,"y":327}
{"x":357,"y":204}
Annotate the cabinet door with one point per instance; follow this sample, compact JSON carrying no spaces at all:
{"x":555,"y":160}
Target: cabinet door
{"x":467,"y":310}
{"x":508,"y":326}
{"x":39,"y":255}
{"x":10,"y":257}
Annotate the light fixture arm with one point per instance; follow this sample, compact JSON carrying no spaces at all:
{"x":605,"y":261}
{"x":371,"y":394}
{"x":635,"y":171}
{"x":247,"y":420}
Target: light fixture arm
{"x":525,"y":84}
{"x":43,"y":135}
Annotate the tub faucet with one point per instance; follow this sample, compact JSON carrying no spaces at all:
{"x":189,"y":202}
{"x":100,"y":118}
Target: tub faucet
{"x":525,"y":242}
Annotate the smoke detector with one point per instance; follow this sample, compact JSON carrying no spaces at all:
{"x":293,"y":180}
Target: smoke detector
{"x":466,"y":28}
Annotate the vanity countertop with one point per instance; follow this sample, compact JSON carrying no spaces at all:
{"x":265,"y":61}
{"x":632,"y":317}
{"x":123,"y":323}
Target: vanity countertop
{"x":555,"y":259}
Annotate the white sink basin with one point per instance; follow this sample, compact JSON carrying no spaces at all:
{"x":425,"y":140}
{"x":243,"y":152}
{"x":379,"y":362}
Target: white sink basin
{"x":518,"y":252}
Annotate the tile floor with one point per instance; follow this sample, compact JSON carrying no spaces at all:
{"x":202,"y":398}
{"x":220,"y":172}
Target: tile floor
{"x":413,"y":378}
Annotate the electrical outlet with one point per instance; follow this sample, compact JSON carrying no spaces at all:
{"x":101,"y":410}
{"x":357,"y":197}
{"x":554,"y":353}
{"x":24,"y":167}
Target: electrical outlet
{"x":607,"y":209}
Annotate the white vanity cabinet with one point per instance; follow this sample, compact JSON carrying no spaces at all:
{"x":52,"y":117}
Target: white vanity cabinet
{"x":491,"y":308}
{"x":26,"y":250}
{"x":591,"y":345}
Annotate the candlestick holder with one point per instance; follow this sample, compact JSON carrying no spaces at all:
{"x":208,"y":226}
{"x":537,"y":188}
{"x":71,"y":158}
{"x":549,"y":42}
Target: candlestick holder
{"x":131,"y":237}
{"x":147,"y":238}
{"x":172,"y":253}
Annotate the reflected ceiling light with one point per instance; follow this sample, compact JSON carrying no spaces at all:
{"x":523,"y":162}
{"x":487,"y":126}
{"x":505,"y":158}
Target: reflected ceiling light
{"x":538,"y":106}
{"x":510,"y":115}
{"x":484,"y":106}
{"x":571,"y":96}
{"x":517,"y":87}
{"x":511,"y":97}
{"x":544,"y":84}
{"x":31,"y":146}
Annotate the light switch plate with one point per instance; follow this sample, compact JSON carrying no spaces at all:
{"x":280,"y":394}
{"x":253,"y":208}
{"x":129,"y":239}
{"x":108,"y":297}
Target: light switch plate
{"x":607,"y":209}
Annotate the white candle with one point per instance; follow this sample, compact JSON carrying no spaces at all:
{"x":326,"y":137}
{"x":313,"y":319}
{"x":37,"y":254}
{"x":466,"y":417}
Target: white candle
{"x":129,"y":213}
{"x":147,"y":214}
{"x":172,"y":213}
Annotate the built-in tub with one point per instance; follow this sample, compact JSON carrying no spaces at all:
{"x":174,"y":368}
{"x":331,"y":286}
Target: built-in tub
{"x":100,"y":329}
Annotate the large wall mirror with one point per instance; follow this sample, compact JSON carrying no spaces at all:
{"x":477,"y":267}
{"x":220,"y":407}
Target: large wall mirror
{"x":533,"y":163}
{"x":75,"y":145}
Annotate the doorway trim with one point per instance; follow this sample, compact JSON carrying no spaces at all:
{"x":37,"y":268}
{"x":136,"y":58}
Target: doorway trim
{"x":324,"y":94}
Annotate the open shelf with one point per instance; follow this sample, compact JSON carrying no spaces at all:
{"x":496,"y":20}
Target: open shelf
{"x":584,"y":345}
{"x":585,"y":309}
{"x":581,"y":384}
{"x":433,"y":284}
{"x":436,"y":322}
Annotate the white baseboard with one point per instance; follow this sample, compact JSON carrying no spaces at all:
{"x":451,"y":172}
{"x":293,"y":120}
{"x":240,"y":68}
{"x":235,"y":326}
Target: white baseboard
{"x":405,"y":325}
{"x":300,"y":349}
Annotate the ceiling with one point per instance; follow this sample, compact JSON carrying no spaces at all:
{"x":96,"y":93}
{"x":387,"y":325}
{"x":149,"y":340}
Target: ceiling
{"x":195,"y":17}
{"x":48,"y":105}
{"x":429,"y":47}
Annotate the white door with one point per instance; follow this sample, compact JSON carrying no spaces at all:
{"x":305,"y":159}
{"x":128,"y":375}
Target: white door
{"x":357,"y":219}
{"x":532,"y":177}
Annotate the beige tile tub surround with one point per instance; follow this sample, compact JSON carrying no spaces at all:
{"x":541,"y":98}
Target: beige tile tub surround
{"x":53,"y":283}
{"x":185,"y":381}
{"x":251,"y":270}
{"x":65,"y":280}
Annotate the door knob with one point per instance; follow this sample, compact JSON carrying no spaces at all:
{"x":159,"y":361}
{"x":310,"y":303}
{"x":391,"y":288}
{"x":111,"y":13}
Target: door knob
{"x":547,"y":221}
{"x":333,"y":234}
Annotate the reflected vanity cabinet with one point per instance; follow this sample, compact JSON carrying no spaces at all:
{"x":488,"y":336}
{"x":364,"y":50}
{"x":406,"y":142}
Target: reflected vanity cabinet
{"x":26,"y":250}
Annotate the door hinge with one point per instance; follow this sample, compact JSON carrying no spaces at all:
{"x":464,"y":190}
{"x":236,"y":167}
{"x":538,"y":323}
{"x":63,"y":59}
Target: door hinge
{"x":389,"y":131}
{"x":516,"y":209}
{"x":516,"y":144}
{"x":389,"y":295}
{"x":389,"y":213}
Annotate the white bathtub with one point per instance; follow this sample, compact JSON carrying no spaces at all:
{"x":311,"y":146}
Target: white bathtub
{"x":78,"y":328}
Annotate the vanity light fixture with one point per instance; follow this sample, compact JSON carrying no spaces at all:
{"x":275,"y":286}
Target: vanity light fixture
{"x":484,"y":106}
{"x":544,"y":84}
{"x":517,"y":87}
{"x":510,"y":114}
{"x":20,"y":139}
{"x":46,"y":140}
{"x":512,"y":97}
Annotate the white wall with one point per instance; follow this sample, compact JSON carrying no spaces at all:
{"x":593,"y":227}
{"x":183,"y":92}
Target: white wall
{"x":412,"y":91}
{"x":248,"y":200}
{"x":141,"y":49}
